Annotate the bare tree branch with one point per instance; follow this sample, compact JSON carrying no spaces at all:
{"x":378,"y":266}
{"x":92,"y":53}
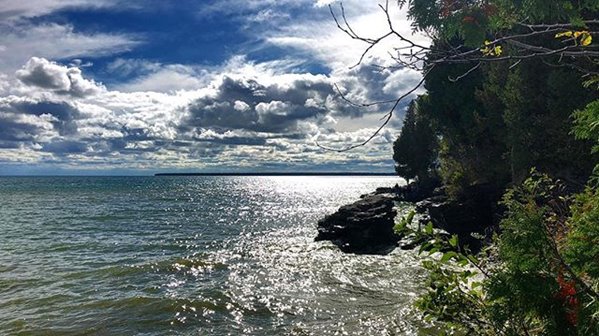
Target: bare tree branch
{"x":466,"y":73}
{"x":415,"y":56}
{"x":386,"y":119}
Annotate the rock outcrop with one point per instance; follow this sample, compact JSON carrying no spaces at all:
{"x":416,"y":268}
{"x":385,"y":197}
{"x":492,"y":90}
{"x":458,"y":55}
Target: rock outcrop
{"x":366,"y":226}
{"x":363,"y":227}
{"x":474,"y":214}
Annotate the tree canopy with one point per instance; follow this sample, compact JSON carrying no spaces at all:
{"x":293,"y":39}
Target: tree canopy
{"x":512,"y":100}
{"x":414,"y":151}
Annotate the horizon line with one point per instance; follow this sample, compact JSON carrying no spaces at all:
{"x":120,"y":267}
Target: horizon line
{"x":214,"y":174}
{"x":280,"y":174}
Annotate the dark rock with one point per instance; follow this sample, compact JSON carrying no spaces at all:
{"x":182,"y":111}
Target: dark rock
{"x":366,"y":226}
{"x":474,"y":213}
{"x":363,"y":227}
{"x":423,"y":206}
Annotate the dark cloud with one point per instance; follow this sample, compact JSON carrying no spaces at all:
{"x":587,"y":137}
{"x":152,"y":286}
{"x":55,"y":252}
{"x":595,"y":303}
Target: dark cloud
{"x":13,"y":131}
{"x":65,"y":147}
{"x":246,"y":104}
{"x":9,"y":144}
{"x":238,"y":121}
{"x":27,"y":120}
{"x":65,"y":115}
{"x":207,"y":151}
{"x":41,"y":73}
{"x":246,"y":141}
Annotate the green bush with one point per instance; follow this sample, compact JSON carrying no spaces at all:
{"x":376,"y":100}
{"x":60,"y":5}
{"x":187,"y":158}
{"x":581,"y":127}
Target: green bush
{"x":540,"y":277}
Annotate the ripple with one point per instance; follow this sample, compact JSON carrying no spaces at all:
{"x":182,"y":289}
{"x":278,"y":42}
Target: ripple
{"x":188,"y":256}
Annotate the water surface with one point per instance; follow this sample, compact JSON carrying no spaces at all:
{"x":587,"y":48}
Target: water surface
{"x":193,"y":256}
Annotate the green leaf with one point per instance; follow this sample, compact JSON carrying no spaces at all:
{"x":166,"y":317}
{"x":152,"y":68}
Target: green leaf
{"x":423,"y":247}
{"x":472,"y":259}
{"x":447,"y":256}
{"x":577,"y":21}
{"x":428,"y":229}
{"x":453,"y":241}
{"x":434,"y":250}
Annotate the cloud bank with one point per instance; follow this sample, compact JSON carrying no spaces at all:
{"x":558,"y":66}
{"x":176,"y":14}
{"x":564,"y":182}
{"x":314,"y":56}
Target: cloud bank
{"x":236,"y":115}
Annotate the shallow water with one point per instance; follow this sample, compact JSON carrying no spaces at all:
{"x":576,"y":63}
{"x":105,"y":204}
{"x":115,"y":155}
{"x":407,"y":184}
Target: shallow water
{"x":193,"y":256}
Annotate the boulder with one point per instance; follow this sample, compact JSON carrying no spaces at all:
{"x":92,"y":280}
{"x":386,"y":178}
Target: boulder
{"x":366,"y":226}
{"x":363,"y":227}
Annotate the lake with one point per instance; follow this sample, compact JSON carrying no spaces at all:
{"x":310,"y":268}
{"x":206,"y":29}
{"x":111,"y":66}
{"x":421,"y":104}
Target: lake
{"x":221,"y":255}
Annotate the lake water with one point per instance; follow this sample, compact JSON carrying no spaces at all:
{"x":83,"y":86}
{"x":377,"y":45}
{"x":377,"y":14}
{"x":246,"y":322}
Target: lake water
{"x":193,"y":256}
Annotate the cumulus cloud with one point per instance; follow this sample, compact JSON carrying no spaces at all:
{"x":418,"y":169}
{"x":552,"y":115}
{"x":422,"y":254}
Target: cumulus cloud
{"x":240,"y":114}
{"x":246,"y":110}
{"x":317,"y":38}
{"x":40,"y":72}
{"x":247,"y":103}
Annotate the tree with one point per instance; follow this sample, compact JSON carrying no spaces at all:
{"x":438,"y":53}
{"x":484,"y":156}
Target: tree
{"x":414,"y":151}
{"x":473,"y":33}
{"x":499,"y":77}
{"x":501,"y":96}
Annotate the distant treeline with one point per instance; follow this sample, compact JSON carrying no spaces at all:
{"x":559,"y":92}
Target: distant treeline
{"x":279,"y":174}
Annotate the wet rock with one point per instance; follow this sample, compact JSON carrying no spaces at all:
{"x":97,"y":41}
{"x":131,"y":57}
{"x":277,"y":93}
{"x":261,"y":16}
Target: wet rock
{"x":363,"y":227}
{"x":366,"y":226}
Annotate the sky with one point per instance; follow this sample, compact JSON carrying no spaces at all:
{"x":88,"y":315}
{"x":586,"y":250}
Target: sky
{"x":104,"y":87}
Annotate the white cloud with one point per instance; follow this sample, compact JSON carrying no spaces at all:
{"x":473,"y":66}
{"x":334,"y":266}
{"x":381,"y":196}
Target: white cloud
{"x":168,"y":78}
{"x":54,"y":41}
{"x":241,"y":106}
{"x":13,"y":10}
{"x":186,"y":115}
{"x":160,"y":116}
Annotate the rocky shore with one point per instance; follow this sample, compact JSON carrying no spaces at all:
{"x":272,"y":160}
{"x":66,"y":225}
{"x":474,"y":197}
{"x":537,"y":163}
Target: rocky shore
{"x":366,"y":226}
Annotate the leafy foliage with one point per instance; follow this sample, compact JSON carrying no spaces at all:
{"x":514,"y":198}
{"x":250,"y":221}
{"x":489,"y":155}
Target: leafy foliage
{"x":586,"y":127}
{"x":541,"y":274}
{"x":539,"y":278}
{"x":582,"y":242}
{"x":503,"y":120}
{"x":473,"y":20}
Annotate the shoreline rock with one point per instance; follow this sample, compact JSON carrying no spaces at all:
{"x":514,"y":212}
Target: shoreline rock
{"x":472,"y":215}
{"x":366,"y":226}
{"x":363,"y":227}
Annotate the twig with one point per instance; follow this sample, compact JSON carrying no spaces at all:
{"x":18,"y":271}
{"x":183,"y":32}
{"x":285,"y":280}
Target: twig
{"x":387,"y":118}
{"x":451,"y":79}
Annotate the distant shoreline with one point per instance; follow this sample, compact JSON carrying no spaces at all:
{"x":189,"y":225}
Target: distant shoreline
{"x":278,"y":174}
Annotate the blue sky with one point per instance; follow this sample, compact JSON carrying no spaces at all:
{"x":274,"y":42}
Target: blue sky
{"x":136,"y":87}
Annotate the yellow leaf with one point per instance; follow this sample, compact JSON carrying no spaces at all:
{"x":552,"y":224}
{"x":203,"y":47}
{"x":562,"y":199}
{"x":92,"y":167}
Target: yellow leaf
{"x":494,"y":51}
{"x":586,"y":39}
{"x":566,"y":33}
{"x":497,"y":50}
